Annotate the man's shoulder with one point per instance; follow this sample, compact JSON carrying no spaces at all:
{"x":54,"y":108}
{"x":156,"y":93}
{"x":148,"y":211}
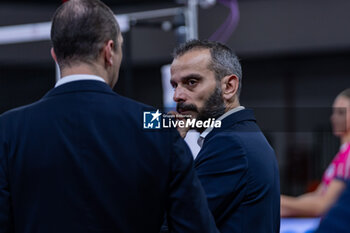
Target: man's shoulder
{"x":48,"y":104}
{"x":233,"y":135}
{"x":17,"y":111}
{"x":222,"y":142}
{"x":240,"y":138}
{"x":134,"y":104}
{"x":17,"y":117}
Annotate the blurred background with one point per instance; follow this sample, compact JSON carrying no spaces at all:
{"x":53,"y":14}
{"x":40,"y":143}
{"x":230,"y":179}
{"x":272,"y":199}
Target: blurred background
{"x":295,"y":56}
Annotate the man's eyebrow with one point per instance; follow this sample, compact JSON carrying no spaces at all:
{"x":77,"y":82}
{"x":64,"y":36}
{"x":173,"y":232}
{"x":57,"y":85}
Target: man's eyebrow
{"x":192,"y":76}
{"x":186,"y":78}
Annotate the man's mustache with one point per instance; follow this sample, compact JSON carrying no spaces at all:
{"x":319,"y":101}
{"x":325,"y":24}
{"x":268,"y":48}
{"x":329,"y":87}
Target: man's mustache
{"x":182,"y":107}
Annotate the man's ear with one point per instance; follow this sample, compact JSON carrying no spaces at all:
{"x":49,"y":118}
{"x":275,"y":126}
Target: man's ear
{"x":108,"y":52}
{"x":53,"y":55}
{"x":229,"y":85}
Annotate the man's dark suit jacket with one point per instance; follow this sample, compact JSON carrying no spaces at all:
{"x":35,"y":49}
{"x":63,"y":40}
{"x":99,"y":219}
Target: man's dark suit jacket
{"x":78,"y":160}
{"x":337,"y":220}
{"x":238,"y":171}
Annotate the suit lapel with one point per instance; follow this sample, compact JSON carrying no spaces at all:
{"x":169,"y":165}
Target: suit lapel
{"x":227,"y":123}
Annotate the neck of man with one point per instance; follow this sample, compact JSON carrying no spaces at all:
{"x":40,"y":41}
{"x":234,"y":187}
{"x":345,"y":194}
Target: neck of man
{"x":232,"y":105}
{"x":89,"y":69}
{"x":229,"y":106}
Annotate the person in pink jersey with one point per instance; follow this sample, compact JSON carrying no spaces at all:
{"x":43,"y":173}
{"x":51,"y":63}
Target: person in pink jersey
{"x":317,"y":203}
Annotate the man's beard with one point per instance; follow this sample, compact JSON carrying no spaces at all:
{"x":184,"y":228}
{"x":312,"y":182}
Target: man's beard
{"x":213,"y":107}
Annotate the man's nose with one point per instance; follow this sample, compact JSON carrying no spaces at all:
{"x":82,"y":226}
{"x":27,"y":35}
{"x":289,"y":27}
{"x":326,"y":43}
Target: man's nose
{"x":179,"y":95}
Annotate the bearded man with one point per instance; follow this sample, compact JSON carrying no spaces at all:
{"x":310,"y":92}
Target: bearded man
{"x":236,"y":165}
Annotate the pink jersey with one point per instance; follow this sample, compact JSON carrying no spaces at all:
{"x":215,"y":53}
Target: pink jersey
{"x":339,"y":167}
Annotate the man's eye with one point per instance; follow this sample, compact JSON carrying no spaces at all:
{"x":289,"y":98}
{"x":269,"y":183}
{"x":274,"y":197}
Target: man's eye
{"x":173,"y":85}
{"x":339,"y":111}
{"x":192,"y":82}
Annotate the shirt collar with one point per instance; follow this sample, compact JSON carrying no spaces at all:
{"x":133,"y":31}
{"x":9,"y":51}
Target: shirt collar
{"x":202,"y":136}
{"x":78,"y":77}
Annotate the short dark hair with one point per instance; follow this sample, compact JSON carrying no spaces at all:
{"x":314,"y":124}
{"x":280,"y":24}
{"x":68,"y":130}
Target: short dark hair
{"x":79,"y":30}
{"x":223,"y":60}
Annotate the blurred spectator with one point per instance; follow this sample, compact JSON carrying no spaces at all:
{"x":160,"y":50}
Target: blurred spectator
{"x":316,"y":203}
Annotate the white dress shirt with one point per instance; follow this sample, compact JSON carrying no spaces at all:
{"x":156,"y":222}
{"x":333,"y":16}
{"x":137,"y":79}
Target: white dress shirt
{"x":78,"y":77}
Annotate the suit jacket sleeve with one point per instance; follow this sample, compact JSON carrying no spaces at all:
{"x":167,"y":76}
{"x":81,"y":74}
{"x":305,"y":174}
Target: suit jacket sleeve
{"x":187,"y":209}
{"x":221,"y":166}
{"x":5,"y":209}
